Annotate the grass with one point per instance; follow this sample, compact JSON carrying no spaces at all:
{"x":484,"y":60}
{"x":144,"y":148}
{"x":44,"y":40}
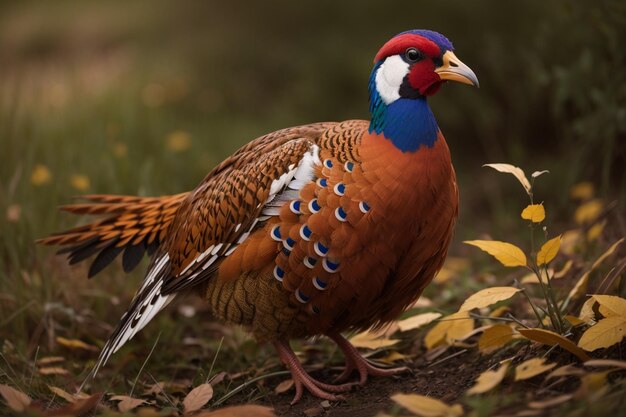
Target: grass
{"x":137,"y":99}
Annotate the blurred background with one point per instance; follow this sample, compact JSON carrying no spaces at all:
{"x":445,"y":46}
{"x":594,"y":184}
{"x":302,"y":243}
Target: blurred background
{"x":145,"y":97}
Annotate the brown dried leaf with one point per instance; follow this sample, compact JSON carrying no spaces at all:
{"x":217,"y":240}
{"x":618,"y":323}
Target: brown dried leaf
{"x":78,"y":408}
{"x":550,"y":338}
{"x":239,"y":411}
{"x":284,"y":386}
{"x":511,"y":169}
{"x":127,"y":403}
{"x":198,"y":397}
{"x":53,"y":370}
{"x":16,"y":400}
{"x":49,"y":360}
{"x":551,"y":402}
{"x":566,"y":370}
{"x":62,"y":393}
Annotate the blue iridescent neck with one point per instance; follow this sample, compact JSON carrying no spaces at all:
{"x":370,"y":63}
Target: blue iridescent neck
{"x":407,"y":123}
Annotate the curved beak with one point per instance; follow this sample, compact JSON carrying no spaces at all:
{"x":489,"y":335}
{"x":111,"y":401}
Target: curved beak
{"x":453,"y":69}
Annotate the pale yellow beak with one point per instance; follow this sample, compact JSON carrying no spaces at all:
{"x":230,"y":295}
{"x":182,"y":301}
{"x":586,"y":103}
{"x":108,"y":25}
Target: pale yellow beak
{"x":453,"y":69}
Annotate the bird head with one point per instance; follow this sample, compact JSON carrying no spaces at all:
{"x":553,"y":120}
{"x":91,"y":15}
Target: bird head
{"x":414,"y":64}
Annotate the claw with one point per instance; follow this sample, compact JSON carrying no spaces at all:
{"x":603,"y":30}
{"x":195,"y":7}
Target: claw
{"x":354,"y":361}
{"x":303,"y":380}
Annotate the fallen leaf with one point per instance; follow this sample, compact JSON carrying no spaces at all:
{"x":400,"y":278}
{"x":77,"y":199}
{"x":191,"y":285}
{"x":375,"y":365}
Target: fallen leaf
{"x":62,"y":393}
{"x":415,"y":322}
{"x":573,"y":320}
{"x":595,"y":231}
{"x":603,"y":363}
{"x":592,"y":383}
{"x":494,"y":337}
{"x":532,"y":368}
{"x":586,"y":311}
{"x":551,"y":402}
{"x":198,"y":397}
{"x":284,"y":386}
{"x":489,"y":380}
{"x":394,"y":356}
{"x":16,"y":400}
{"x":606,"y":254}
{"x":516,"y":171}
{"x":82,"y":406}
{"x":611,"y":305}
{"x":534,"y":212}
{"x":604,"y":333}
{"x":548,"y":251}
{"x":75,"y":344}
{"x":49,"y":360}
{"x":427,"y":406}
{"x":487,"y":297}
{"x":566,"y":370}
{"x":53,"y":370}
{"x":450,"y":328}
{"x":564,"y":270}
{"x":239,"y":411}
{"x":550,"y":338}
{"x":127,"y":403}
{"x":508,"y":254}
{"x":370,"y":340}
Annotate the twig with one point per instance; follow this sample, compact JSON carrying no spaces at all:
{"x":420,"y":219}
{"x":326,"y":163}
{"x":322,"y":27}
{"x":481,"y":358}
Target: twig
{"x":454,"y":355}
{"x":247,"y":383}
{"x":144,"y":364}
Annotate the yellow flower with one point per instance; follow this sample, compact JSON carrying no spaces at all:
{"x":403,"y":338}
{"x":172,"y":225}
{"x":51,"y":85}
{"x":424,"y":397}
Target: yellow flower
{"x":79,"y":182}
{"x":178,"y":141}
{"x":40,"y":176}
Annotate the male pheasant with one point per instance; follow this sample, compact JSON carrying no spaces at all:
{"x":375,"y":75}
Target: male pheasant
{"x":310,"y":230}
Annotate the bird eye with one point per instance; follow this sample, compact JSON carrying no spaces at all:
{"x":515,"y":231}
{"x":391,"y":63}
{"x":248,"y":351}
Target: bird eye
{"x":412,"y":55}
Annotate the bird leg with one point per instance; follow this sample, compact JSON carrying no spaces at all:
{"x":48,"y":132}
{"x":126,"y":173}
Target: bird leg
{"x":302,"y":379}
{"x":354,"y":361}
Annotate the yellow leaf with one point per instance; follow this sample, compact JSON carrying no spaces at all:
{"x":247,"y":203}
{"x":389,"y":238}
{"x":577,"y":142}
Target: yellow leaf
{"x":488,"y":296}
{"x":450,"y":328}
{"x":41,"y":175}
{"x":79,"y":182}
{"x":531,"y":278}
{"x":499,"y":312}
{"x":548,"y":251}
{"x":75,"y":344}
{"x":534,"y":212}
{"x":532,"y":368}
{"x":595,"y":231}
{"x":506,"y":253}
{"x":573,"y":320}
{"x":606,"y":254}
{"x":588,"y":211}
{"x":586,"y":311}
{"x":550,"y":338}
{"x":510,"y":169}
{"x":371,"y":340}
{"x":415,"y":322}
{"x":48,"y":360}
{"x":16,"y":400}
{"x":452,"y":268}
{"x":394,"y":356}
{"x":570,"y":241}
{"x":489,"y":380}
{"x":197,"y":397}
{"x":582,"y":191}
{"x":494,"y":337}
{"x":603,"y":334}
{"x":427,"y":406}
{"x":178,"y":141}
{"x":611,"y":305}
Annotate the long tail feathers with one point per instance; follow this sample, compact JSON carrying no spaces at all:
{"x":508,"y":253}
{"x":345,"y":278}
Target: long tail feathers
{"x":134,"y":226}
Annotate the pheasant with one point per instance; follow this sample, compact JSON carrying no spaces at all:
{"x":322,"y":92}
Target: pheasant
{"x":310,"y":230}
